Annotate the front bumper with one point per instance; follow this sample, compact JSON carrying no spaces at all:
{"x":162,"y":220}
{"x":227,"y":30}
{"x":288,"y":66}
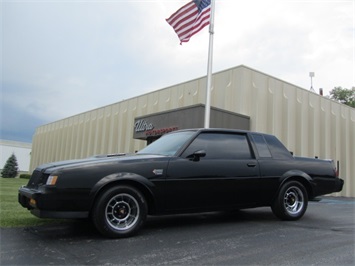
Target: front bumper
{"x":50,"y":205}
{"x":26,"y":196}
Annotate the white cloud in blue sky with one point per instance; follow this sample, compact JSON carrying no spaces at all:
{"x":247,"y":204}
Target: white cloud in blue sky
{"x":61,"y":58}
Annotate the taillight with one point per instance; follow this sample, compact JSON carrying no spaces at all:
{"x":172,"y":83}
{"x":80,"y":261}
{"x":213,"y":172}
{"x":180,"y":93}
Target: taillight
{"x":335,"y":168}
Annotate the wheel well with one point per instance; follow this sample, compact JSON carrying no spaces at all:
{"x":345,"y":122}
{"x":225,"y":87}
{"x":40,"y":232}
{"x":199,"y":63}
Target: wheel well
{"x":304,"y":182}
{"x":141,"y":188}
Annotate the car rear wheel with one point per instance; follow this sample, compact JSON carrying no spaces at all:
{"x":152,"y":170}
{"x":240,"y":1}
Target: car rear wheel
{"x":119,"y":212}
{"x":291,"y":202}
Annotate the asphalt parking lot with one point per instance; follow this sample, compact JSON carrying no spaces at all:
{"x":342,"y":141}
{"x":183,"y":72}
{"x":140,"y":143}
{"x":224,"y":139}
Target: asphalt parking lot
{"x":324,"y":236}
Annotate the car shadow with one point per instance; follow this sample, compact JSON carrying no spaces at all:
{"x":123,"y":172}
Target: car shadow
{"x":79,"y":228}
{"x":84,"y":228}
{"x":209,"y":218}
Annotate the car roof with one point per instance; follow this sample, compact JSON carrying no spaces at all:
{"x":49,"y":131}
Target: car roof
{"x":229,"y":130}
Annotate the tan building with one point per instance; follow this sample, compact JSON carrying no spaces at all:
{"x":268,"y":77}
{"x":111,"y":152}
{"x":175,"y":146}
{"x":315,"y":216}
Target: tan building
{"x":307,"y":123}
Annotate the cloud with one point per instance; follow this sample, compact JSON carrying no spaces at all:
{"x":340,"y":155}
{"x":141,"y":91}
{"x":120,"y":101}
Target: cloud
{"x":18,"y":124}
{"x":61,"y":58}
{"x":289,"y":39}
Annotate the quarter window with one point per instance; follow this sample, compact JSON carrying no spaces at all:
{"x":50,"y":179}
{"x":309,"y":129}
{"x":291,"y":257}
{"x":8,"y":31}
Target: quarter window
{"x":278,"y":150}
{"x":261,"y":146}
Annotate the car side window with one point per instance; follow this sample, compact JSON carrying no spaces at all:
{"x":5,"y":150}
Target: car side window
{"x":220,"y":146}
{"x":261,"y":146}
{"x":278,"y":150}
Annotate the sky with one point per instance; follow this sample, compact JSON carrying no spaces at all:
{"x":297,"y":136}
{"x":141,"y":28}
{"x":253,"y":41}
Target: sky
{"x":60,"y":58}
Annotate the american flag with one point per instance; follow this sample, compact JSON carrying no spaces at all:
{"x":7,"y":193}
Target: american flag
{"x":190,"y":19}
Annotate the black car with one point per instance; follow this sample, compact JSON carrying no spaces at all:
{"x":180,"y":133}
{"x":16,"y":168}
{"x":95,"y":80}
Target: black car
{"x":195,"y":170}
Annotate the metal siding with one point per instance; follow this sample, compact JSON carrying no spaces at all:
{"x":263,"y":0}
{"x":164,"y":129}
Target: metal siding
{"x":308,"y":124}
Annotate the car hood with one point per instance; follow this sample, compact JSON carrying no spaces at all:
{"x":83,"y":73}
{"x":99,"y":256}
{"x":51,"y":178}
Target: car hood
{"x":98,"y":159}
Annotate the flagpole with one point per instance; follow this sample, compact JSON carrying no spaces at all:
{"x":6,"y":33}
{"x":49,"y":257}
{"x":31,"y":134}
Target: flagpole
{"x":209,"y":69}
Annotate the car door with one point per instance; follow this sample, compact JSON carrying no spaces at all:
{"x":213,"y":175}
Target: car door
{"x":216,"y":171}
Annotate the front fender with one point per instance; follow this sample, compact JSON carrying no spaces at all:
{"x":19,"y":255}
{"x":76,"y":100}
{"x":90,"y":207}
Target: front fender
{"x":112,"y":179}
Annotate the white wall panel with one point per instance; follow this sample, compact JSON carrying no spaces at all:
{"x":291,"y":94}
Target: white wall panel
{"x":21,"y":150}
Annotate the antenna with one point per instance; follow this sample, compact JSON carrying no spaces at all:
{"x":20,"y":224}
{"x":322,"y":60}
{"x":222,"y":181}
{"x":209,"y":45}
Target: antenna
{"x":311,"y":75}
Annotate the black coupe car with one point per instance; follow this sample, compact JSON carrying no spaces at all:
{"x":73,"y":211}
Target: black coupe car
{"x":195,"y":170}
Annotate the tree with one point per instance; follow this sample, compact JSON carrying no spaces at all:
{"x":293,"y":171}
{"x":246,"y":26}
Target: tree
{"x":10,"y":168}
{"x":345,"y":96}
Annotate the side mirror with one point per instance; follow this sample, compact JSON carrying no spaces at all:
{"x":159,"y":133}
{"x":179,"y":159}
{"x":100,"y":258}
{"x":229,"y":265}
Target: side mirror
{"x":197,"y":155}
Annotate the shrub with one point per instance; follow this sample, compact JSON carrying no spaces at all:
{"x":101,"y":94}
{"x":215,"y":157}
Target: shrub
{"x":11,"y":167}
{"x":25,"y":176}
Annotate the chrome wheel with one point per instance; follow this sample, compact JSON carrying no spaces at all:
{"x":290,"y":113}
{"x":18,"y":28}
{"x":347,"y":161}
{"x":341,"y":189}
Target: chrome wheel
{"x":122,"y":212}
{"x":293,"y":200}
{"x":119,"y":211}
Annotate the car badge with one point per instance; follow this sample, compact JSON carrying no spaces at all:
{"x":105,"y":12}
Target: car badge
{"x":158,"y":171}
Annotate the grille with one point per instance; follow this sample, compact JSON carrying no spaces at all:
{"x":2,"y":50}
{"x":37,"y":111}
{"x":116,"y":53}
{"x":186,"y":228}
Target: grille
{"x":37,"y":179}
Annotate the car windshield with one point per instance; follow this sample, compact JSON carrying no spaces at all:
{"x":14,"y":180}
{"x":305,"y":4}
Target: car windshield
{"x":168,"y":144}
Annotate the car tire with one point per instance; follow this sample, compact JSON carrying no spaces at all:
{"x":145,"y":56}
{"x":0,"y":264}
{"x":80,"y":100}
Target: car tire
{"x":291,"y":202}
{"x":119,"y":212}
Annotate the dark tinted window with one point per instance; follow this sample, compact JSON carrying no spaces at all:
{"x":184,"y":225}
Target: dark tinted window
{"x":278,"y":150}
{"x":168,"y":144}
{"x":220,"y":146}
{"x":261,"y":145}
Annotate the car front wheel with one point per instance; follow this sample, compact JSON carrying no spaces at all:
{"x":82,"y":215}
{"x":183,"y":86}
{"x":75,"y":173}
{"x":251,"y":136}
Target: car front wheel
{"x":119,"y":212}
{"x":291,"y":202}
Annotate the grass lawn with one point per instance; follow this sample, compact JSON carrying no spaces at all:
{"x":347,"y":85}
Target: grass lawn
{"x":12,"y":214}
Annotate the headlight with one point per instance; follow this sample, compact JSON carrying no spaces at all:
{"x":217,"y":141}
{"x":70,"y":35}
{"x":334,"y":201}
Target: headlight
{"x":52,"y":180}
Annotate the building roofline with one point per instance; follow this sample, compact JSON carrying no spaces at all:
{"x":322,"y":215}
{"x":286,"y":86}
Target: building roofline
{"x":18,"y":144}
{"x":187,"y":81}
